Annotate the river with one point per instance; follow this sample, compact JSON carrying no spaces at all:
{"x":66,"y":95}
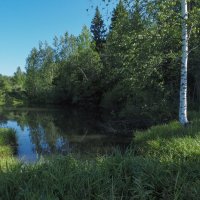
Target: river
{"x":48,"y":131}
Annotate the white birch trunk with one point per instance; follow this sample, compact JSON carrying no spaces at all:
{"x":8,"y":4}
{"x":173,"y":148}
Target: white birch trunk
{"x":183,"y":85}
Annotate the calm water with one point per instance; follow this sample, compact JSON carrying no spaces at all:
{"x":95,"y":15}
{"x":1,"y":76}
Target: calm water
{"x":43,"y":132}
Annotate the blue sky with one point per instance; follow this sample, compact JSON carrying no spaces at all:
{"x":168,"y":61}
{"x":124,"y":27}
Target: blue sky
{"x":23,"y":23}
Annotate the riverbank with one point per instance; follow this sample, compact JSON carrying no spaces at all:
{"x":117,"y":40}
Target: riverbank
{"x":7,"y":142}
{"x":8,"y":148}
{"x":162,"y":163}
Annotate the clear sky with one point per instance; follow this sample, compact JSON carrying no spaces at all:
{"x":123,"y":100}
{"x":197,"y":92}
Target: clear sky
{"x":23,"y":23}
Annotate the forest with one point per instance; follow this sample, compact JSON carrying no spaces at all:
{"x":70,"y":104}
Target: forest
{"x":130,"y":69}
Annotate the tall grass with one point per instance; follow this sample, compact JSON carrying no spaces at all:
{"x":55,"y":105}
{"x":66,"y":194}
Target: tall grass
{"x":163,"y":163}
{"x":7,"y":142}
{"x":8,"y":147}
{"x":115,"y":177}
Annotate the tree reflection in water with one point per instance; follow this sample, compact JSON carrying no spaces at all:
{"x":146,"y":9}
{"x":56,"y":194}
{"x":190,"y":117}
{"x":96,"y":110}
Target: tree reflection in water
{"x":56,"y":131}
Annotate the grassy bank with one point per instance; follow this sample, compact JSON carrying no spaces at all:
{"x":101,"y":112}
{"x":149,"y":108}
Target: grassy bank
{"x":171,"y":142}
{"x":163,"y":163}
{"x":8,"y":148}
{"x":7,"y":142}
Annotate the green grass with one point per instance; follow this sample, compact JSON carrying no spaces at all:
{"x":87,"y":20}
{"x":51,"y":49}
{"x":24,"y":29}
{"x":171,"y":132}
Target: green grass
{"x":7,"y":142}
{"x":8,"y":148}
{"x":171,"y":142}
{"x":163,"y":163}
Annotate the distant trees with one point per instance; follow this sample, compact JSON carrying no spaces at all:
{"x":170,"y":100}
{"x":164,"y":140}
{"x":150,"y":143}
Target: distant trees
{"x":19,"y":79}
{"x":12,"y":89}
{"x":70,"y":73}
{"x":5,"y":88}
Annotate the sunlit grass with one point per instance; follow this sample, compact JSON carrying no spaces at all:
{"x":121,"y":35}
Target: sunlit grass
{"x":7,"y":148}
{"x":171,"y":141}
{"x":7,"y":142}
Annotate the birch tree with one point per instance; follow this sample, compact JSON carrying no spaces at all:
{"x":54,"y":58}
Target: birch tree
{"x":183,"y":84}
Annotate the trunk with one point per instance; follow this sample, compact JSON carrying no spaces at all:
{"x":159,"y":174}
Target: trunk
{"x":183,"y":85}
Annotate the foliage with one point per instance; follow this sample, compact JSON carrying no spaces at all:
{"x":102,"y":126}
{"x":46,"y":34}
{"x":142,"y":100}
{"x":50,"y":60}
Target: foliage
{"x":12,"y":91}
{"x":132,"y":71}
{"x":69,"y":74}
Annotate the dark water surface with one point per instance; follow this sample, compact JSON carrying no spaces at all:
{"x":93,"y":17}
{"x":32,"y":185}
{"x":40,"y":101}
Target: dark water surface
{"x":47,"y":131}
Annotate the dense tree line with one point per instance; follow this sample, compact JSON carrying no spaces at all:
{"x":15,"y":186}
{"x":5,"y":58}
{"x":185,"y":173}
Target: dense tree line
{"x":131,"y":70}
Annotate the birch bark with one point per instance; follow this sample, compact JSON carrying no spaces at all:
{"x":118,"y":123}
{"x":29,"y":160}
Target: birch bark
{"x":183,"y":85}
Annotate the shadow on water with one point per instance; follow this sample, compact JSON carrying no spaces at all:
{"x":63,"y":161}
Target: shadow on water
{"x":48,"y":131}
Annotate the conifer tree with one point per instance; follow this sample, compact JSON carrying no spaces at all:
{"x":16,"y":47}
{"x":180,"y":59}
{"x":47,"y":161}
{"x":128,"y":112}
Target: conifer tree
{"x":118,"y":13}
{"x":98,"y":30}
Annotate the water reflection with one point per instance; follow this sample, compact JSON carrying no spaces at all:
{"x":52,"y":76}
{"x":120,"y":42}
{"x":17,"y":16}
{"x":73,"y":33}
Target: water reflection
{"x":55,"y":131}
